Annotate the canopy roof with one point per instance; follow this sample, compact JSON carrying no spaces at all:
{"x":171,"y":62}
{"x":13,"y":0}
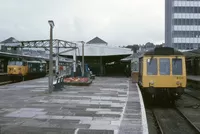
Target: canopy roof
{"x":99,"y":50}
{"x":97,"y":40}
{"x":192,"y":54}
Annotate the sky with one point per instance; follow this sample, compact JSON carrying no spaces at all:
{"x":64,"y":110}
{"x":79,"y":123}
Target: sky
{"x":118,"y":22}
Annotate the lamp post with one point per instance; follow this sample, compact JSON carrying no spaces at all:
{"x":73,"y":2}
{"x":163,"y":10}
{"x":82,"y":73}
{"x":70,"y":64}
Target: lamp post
{"x":83,"y":64}
{"x":51,"y":23}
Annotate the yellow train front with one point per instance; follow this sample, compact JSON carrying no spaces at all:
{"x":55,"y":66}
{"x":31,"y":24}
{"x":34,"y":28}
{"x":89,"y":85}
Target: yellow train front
{"x":19,"y":69}
{"x":162,"y":73}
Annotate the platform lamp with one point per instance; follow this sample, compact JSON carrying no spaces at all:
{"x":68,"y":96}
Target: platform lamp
{"x":51,"y":23}
{"x":83,"y":64}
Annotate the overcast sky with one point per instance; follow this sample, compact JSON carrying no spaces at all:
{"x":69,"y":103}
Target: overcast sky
{"x":119,"y":22}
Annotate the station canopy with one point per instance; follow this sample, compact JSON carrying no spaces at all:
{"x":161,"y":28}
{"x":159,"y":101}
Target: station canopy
{"x":192,"y":54}
{"x":97,"y":47}
{"x":131,"y":57}
{"x":100,"y":50}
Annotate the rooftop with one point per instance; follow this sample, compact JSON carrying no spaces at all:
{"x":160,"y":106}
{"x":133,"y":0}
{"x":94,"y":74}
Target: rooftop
{"x":97,"y":40}
{"x":12,"y":42}
{"x":99,"y":50}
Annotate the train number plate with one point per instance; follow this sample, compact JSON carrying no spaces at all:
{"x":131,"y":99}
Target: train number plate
{"x":179,"y":78}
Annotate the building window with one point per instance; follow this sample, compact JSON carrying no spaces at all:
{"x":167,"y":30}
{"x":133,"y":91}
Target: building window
{"x":175,"y":46}
{"x":186,"y":9}
{"x":183,"y":46}
{"x":186,"y":21}
{"x":186,"y":34}
{"x":187,"y":46}
{"x":179,"y":46}
{"x":191,"y":46}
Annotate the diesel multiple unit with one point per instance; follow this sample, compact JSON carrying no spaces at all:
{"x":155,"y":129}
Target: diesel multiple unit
{"x":162,"y":73}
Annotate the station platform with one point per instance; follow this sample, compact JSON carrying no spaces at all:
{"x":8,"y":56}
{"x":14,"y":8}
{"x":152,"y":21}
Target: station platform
{"x":193,"y":81}
{"x":193,"y":77}
{"x":3,"y":74}
{"x":107,"y":106}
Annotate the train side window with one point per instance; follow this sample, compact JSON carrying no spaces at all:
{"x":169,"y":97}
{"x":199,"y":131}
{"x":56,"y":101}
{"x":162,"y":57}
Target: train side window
{"x":152,"y":66}
{"x":177,"y":66}
{"x":164,"y":66}
{"x":11,"y":63}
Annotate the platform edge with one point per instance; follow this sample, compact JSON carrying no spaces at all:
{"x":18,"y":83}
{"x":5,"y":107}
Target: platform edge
{"x":143,"y":113}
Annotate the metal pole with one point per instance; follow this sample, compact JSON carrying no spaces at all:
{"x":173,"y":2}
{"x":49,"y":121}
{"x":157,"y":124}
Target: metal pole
{"x":83,"y":64}
{"x":101,"y":68}
{"x":57,"y":58}
{"x":51,"y":58}
{"x":74,"y":63}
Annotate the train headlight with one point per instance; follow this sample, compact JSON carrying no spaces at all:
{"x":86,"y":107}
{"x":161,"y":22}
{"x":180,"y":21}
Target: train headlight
{"x":178,"y":83}
{"x":151,"y":83}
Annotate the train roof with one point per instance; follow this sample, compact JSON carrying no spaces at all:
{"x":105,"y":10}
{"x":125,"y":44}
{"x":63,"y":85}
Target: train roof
{"x":163,"y":51}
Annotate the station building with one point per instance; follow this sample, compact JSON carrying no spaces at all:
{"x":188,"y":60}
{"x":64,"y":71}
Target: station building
{"x":103,"y":60}
{"x":182,"y":24}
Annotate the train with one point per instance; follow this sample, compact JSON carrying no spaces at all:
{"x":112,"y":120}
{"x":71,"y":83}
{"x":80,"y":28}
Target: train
{"x":162,"y":73}
{"x":20,"y":69}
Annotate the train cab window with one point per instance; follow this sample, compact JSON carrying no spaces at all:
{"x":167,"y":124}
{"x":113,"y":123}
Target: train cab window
{"x":177,"y":66}
{"x":19,"y":63}
{"x":11,"y":62}
{"x":152,"y":66}
{"x":164,"y":66}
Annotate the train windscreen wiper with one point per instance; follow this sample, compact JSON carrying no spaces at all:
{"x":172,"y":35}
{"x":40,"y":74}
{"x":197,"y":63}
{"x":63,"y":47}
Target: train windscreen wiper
{"x":151,"y":60}
{"x":175,"y":60}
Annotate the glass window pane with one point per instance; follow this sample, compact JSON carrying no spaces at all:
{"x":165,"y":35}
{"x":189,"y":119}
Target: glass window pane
{"x":164,"y":66}
{"x":11,"y":62}
{"x":135,"y":66}
{"x":177,"y":67}
{"x":151,"y":66}
{"x":19,"y":63}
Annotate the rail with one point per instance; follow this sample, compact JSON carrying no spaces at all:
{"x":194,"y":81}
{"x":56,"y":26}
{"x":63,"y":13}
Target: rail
{"x":195,"y":97}
{"x":166,"y":118}
{"x":157,"y":122}
{"x":188,"y":120}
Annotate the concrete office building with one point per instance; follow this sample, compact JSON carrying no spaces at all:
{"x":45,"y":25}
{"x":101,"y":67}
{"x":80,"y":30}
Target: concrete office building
{"x":182,"y":24}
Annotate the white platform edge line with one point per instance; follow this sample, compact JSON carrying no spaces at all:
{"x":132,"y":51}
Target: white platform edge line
{"x":124,"y":108}
{"x":144,"y":117}
{"x":76,"y":131}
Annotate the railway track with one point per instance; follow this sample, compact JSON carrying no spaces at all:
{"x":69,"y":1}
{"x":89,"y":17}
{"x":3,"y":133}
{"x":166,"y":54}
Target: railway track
{"x":195,"y":97}
{"x":157,"y":123}
{"x":173,"y":121}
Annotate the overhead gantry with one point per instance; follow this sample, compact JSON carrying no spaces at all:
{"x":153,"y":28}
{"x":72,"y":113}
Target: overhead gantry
{"x":59,"y":47}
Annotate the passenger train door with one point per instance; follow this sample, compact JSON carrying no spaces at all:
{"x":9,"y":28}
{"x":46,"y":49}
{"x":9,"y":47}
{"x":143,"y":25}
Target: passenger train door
{"x":140,"y":70}
{"x":25,"y":64}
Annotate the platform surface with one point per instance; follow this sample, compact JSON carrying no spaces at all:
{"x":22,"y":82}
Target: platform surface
{"x":3,"y":74}
{"x":107,"y":106}
{"x":193,"y":77}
